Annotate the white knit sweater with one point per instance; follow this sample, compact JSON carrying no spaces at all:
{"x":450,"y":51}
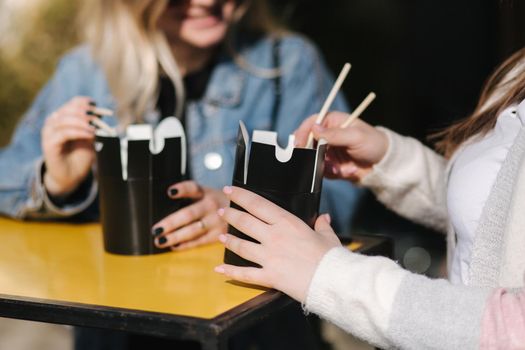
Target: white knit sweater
{"x":375,"y":299}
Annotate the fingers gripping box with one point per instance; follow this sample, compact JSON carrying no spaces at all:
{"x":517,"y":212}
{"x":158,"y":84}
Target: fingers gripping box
{"x":134,"y":174}
{"x":289,"y":177}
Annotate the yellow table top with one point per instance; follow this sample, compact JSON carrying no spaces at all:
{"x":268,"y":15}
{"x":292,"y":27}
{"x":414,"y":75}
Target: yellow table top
{"x":67,"y":263}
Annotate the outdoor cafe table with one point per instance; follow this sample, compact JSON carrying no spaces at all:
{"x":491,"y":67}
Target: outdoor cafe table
{"x":60,"y":273}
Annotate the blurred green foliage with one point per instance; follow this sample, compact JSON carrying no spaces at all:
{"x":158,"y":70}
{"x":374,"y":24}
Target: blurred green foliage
{"x":22,"y":76}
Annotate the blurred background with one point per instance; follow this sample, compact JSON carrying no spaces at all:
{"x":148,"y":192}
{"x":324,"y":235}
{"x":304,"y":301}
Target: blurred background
{"x":33,"y":35}
{"x":426,"y":60}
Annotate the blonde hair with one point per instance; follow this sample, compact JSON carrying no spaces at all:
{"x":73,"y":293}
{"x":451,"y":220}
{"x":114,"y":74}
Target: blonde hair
{"x":133,"y":52}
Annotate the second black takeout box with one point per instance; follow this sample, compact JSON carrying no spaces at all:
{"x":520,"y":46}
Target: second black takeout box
{"x":289,"y":177}
{"x":134,"y":173}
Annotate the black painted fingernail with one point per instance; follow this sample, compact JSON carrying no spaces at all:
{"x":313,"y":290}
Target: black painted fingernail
{"x":157,"y":231}
{"x":173,"y":191}
{"x":92,"y":103}
{"x":93,"y":124}
{"x":93,"y":114}
{"x":162,"y":240}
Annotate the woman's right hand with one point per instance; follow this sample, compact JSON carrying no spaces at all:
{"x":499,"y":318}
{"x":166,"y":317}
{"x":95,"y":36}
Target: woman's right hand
{"x":67,"y":145}
{"x":289,"y":251}
{"x":352,"y":151}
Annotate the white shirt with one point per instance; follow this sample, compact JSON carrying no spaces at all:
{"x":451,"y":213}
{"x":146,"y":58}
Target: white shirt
{"x":472,"y":177}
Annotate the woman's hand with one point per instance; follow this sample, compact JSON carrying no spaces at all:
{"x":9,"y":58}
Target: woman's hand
{"x":352,"y":151}
{"x":67,"y":146}
{"x":194,"y":225}
{"x":289,"y":250}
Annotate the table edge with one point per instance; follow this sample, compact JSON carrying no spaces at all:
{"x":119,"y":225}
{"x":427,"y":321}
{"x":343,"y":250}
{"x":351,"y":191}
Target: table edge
{"x":157,"y":323}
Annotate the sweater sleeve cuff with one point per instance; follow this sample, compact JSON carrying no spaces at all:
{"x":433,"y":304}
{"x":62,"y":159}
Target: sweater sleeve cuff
{"x":394,"y":156}
{"x":411,"y":181}
{"x":50,"y":209}
{"x":355,"y":292}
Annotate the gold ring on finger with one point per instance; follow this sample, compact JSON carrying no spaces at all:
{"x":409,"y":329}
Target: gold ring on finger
{"x":202,"y":224}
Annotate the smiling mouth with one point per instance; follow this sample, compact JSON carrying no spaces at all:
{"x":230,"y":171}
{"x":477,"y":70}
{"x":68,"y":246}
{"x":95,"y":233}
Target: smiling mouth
{"x":214,"y":12}
{"x":189,"y":12}
{"x":201,"y":16}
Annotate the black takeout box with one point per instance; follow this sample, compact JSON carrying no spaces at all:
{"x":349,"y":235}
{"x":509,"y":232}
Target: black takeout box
{"x":133,"y":175}
{"x":290,"y":177}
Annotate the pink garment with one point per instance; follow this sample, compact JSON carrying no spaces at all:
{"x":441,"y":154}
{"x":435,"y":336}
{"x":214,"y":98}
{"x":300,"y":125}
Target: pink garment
{"x":503,"y":325}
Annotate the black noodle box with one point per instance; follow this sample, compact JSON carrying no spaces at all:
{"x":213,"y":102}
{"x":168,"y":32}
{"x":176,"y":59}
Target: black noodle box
{"x":290,"y":177}
{"x":134,"y":174}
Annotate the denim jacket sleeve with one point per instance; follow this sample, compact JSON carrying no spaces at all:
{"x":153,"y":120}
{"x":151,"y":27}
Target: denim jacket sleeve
{"x":306,"y":84}
{"x":22,"y":194}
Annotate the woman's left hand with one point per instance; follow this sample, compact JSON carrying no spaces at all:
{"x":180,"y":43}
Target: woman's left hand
{"x":289,"y":250}
{"x":194,"y":225}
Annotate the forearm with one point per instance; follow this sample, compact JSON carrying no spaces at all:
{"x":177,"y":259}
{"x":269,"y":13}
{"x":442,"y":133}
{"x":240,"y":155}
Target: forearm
{"x":410,"y":180}
{"x":356,"y":293}
{"x":376,"y":300}
{"x":29,"y":199}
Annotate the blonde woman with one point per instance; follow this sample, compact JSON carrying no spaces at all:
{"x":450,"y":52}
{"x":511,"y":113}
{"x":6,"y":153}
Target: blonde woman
{"x":211,"y":63}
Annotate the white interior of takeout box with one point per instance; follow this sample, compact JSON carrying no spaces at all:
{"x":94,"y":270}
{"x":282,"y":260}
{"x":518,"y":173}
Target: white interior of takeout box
{"x":270,"y":138}
{"x":169,"y":127}
{"x":283,"y":155}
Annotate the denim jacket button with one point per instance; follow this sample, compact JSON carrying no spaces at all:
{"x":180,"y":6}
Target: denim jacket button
{"x":212,"y":161}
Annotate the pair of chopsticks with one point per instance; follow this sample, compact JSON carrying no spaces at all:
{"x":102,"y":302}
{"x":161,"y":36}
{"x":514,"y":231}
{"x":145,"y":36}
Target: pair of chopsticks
{"x":98,"y":112}
{"x":331,"y":96}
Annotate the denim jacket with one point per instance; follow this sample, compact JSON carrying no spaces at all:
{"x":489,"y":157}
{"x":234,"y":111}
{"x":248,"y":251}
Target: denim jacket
{"x":232,"y":94}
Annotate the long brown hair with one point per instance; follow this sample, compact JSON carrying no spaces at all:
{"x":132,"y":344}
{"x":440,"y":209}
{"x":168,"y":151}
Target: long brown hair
{"x":506,"y":86}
